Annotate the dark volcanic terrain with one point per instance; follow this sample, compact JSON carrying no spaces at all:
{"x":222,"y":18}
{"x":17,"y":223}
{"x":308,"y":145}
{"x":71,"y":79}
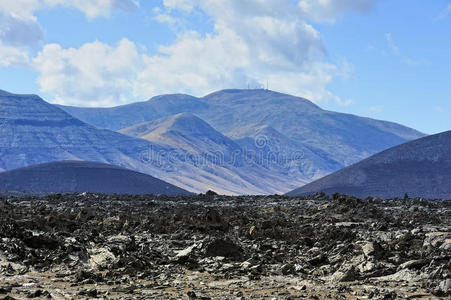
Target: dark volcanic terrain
{"x":215,"y":247}
{"x":82,"y":176}
{"x":420,"y":168}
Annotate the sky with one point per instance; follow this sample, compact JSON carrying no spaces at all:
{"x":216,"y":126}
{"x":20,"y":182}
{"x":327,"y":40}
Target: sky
{"x":383,"y":59}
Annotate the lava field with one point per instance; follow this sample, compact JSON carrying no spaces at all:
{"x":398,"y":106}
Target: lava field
{"x":85,"y":246}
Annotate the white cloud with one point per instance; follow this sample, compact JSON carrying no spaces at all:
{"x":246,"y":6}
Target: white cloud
{"x":12,"y":56}
{"x":20,"y":29}
{"x":16,"y":30}
{"x":186,"y":5}
{"x":253,"y":42}
{"x":23,"y":9}
{"x":165,"y":18}
{"x":95,"y":74}
{"x":330,"y":10}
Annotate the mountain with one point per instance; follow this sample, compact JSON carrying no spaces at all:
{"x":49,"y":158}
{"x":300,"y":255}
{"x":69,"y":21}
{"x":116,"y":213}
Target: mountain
{"x":124,"y":116}
{"x":277,"y":151}
{"x":200,"y":144}
{"x":421,"y":168}
{"x":33,"y":131}
{"x":80,"y":176}
{"x":184,"y":130}
{"x":341,"y":138}
{"x":344,"y":138}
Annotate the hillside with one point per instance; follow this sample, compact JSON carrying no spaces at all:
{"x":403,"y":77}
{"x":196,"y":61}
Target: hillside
{"x":421,"y":168}
{"x":341,"y":138}
{"x":79,"y":176}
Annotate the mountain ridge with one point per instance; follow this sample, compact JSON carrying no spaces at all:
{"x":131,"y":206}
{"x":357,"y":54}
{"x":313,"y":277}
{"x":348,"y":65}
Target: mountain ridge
{"x":345,"y":138}
{"x":33,"y":131}
{"x":311,"y":142}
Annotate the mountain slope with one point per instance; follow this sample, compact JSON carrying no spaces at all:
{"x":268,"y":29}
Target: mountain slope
{"x":79,"y":176}
{"x":202,"y":145}
{"x":345,"y":138}
{"x":124,"y":116}
{"x":282,"y":154}
{"x":341,"y":138}
{"x":184,"y":130}
{"x":34,"y":131}
{"x":421,"y":168}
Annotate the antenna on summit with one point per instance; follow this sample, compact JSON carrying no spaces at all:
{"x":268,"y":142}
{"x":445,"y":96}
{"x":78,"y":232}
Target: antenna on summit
{"x":267,"y":85}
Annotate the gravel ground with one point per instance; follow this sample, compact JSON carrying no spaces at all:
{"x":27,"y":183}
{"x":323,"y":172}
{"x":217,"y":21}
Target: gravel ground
{"x":216,"y":247}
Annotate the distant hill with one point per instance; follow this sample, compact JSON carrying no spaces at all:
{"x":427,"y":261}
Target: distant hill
{"x":421,"y":168}
{"x":33,"y":131}
{"x":184,"y":130}
{"x":340,"y":138}
{"x":232,"y":141}
{"x":79,"y":176}
{"x":202,"y":145}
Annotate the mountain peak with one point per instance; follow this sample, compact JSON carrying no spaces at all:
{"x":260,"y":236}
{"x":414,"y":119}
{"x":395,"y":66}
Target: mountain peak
{"x":30,"y":108}
{"x":248,"y":92}
{"x":185,"y":123}
{"x":185,"y":120}
{"x":176,"y":98}
{"x":264,"y":97}
{"x":4,"y":93}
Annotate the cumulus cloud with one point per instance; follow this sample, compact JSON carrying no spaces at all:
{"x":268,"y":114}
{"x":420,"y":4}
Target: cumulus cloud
{"x":330,"y":10}
{"x":253,"y":42}
{"x":12,"y":56}
{"x":20,"y":29}
{"x":95,"y":74}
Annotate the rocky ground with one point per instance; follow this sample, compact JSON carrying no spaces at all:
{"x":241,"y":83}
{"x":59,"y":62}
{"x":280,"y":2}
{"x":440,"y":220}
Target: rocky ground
{"x":215,"y":247}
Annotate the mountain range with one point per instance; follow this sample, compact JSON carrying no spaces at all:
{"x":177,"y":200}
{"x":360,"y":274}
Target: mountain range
{"x":420,"y":168}
{"x":81,"y":176}
{"x":231,"y":141}
{"x":343,"y":138}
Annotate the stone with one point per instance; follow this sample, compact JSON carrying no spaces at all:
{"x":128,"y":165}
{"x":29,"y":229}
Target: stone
{"x":186,"y":252}
{"x":413,"y":264}
{"x":345,"y":274}
{"x":288,"y":269}
{"x":100,"y":258}
{"x":372,"y":249}
{"x":225,"y":248}
{"x":445,"y":287}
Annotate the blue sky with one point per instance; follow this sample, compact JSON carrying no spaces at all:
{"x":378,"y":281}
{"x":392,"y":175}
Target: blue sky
{"x":384,"y":59}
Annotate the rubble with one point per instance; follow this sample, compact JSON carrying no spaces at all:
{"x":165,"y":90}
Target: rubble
{"x":210,"y":247}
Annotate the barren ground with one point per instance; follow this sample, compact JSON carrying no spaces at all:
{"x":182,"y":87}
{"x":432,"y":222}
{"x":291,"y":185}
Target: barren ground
{"x":215,"y":247}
